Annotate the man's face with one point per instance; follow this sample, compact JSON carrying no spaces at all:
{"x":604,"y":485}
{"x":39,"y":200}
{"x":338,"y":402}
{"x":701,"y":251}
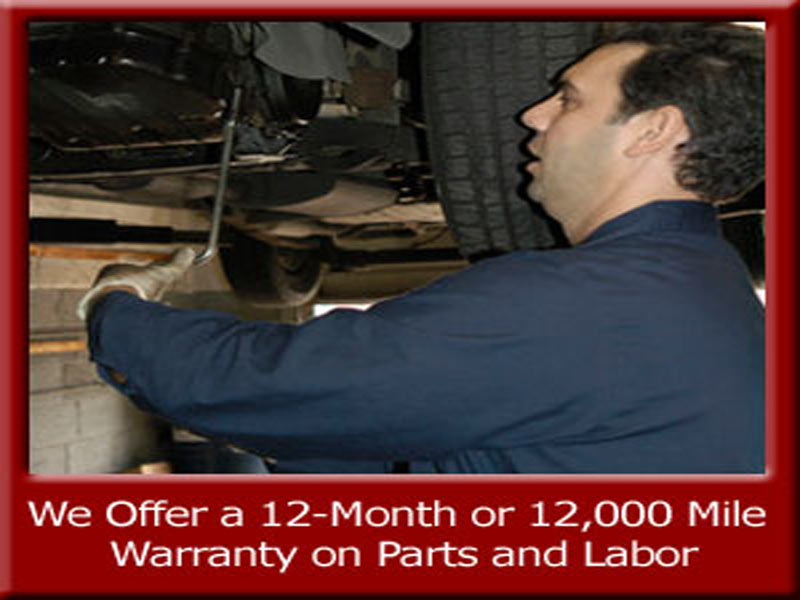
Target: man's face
{"x":578,"y":146}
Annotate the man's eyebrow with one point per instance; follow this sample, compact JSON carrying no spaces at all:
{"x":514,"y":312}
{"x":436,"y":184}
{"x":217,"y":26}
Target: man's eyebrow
{"x":563,"y":85}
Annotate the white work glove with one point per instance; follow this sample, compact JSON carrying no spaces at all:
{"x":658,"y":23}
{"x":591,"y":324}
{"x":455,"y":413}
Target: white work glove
{"x":150,"y":281}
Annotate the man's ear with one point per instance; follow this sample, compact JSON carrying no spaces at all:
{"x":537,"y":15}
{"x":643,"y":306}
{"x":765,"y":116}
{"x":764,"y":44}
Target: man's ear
{"x":656,"y":129}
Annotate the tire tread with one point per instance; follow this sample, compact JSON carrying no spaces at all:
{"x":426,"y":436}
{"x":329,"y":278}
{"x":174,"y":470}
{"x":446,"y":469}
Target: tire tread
{"x":477,"y":78}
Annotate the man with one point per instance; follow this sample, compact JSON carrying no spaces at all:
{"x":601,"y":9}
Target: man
{"x":640,"y":349}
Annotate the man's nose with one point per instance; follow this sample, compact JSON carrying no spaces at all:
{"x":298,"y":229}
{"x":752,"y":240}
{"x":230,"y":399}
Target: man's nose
{"x":539,"y":115}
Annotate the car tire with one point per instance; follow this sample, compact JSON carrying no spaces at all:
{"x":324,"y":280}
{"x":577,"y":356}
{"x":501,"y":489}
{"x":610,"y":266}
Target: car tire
{"x":477,"y":80}
{"x":271,"y":277}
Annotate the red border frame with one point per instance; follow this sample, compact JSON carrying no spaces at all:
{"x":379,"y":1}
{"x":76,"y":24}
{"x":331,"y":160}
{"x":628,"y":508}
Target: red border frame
{"x":76,"y":561}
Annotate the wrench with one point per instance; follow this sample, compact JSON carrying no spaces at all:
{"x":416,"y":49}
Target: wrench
{"x":222,"y":181}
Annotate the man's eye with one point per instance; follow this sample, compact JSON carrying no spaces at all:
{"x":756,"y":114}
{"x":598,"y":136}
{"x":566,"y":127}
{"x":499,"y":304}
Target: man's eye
{"x":565,"y":101}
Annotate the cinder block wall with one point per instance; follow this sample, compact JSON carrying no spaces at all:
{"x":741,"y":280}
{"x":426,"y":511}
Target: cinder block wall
{"x":78,"y":424}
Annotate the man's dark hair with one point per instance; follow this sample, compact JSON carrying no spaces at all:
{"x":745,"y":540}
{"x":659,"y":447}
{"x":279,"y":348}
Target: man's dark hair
{"x":714,"y":72}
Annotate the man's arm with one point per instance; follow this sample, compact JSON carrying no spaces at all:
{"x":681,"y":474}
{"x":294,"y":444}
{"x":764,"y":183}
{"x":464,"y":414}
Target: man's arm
{"x":416,"y":377}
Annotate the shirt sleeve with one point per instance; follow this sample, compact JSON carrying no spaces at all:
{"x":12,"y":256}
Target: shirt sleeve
{"x":417,"y":377}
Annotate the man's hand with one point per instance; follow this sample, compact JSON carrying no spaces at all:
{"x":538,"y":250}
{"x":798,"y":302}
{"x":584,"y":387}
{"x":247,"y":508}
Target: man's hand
{"x":149,"y":282}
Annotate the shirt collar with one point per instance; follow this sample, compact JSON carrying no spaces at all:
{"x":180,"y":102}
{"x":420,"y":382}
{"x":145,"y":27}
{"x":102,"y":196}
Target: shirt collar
{"x":690,"y":216}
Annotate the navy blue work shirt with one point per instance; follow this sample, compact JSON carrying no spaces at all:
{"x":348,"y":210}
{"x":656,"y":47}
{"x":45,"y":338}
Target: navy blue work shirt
{"x":640,"y":350}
